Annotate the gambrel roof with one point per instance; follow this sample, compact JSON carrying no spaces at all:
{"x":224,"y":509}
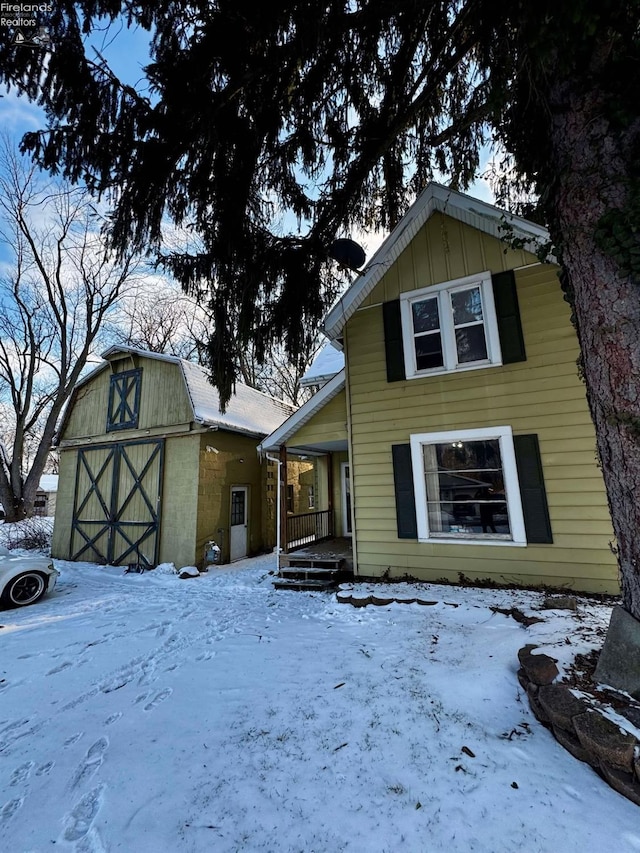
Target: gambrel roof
{"x":248,"y":411}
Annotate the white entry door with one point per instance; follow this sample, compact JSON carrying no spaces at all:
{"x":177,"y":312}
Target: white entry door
{"x":238,"y":526}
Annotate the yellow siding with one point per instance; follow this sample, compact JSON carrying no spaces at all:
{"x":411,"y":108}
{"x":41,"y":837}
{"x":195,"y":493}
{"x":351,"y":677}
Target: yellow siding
{"x":443,"y":250}
{"x":541,"y":395}
{"x":179,"y":501}
{"x":163,"y":401}
{"x":60,"y":541}
{"x":329,"y":424}
{"x":235,"y":464}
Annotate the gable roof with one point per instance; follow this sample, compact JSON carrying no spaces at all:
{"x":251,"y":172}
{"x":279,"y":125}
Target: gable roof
{"x":248,"y":411}
{"x":284,"y":432}
{"x":434,"y":198}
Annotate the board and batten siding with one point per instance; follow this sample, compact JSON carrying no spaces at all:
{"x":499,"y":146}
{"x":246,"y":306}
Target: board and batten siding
{"x":329,"y":424}
{"x":542,"y":395}
{"x":163,"y":400}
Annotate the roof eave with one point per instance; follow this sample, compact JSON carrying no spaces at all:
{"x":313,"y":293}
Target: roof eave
{"x":298,"y":419}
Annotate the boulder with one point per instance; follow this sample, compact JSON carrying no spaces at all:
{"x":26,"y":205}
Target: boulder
{"x":560,"y":602}
{"x":624,"y":783}
{"x":188,"y":572}
{"x":539,"y":669}
{"x":619,"y":662}
{"x":606,"y":740}
{"x":561,"y":706}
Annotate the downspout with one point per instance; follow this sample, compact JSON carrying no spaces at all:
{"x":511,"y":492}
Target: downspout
{"x":278,"y":512}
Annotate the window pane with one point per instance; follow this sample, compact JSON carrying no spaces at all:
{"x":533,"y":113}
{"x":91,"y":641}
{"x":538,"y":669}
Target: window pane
{"x":465,"y":489}
{"x":237,"y":507}
{"x":425,"y":315}
{"x":467,"y":306}
{"x":471,"y":344}
{"x":428,"y":351}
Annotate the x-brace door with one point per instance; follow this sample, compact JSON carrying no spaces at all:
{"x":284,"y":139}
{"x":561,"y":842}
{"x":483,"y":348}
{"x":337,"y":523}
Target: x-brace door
{"x":116,"y":517}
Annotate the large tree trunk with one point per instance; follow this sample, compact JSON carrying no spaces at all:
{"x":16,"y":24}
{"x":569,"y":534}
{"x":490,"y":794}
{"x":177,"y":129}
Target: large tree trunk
{"x":594,"y":176}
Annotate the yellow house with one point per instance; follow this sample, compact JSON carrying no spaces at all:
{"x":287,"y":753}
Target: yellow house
{"x":457,"y":441}
{"x":151,"y":470}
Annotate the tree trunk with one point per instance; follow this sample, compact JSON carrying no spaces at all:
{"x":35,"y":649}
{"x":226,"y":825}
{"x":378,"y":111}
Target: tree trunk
{"x":17,"y":509}
{"x":594,"y":170}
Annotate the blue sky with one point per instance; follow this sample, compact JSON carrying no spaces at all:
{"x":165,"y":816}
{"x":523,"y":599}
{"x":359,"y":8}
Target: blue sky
{"x":127,"y":51}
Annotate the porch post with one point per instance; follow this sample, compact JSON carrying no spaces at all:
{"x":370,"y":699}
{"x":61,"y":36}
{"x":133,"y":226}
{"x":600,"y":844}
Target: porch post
{"x":330,"y":492}
{"x":283,"y":500}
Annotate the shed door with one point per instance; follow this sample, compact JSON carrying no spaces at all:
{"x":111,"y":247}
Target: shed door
{"x":116,"y":515}
{"x":238,"y":527}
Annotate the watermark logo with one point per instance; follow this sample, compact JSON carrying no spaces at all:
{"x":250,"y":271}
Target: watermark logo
{"x":28,"y":22}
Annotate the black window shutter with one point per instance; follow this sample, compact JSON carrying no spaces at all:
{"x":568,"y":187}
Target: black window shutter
{"x":405,"y":498}
{"x":505,"y":297}
{"x":534,"y":497}
{"x":393,"y":340}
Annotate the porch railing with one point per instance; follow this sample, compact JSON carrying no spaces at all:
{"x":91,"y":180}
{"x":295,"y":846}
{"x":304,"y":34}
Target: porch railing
{"x":308,"y":527}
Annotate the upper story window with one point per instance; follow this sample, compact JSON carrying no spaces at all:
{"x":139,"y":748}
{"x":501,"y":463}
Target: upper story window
{"x":450,"y":327}
{"x":124,"y":400}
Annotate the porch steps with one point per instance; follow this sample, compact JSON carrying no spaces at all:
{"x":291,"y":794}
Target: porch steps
{"x":312,"y":573}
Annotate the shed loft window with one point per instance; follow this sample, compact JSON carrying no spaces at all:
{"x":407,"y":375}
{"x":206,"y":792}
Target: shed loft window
{"x":466,"y":486}
{"x":450,"y":327}
{"x":124,"y":400}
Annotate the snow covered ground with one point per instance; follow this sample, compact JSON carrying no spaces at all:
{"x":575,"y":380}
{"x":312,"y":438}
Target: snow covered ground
{"x":144,"y":714}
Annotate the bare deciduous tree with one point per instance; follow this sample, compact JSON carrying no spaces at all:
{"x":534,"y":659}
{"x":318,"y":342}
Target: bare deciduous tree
{"x":56,"y":289}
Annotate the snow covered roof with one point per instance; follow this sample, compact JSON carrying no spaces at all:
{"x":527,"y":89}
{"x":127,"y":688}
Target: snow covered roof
{"x":434,"y":198}
{"x":248,"y":411}
{"x":324,"y":366}
{"x":49,"y":483}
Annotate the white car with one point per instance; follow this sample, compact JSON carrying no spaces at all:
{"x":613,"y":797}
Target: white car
{"x":24,"y":579}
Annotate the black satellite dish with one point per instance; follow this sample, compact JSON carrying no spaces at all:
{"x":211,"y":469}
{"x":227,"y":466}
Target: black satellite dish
{"x":348,"y":254}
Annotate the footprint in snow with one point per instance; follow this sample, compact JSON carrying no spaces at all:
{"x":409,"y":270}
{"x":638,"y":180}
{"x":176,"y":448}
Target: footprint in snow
{"x":91,"y":843}
{"x":60,"y":667}
{"x":21,"y":773}
{"x":80,"y":819}
{"x":45,"y":769}
{"x":159,"y":697}
{"x":10,"y":808}
{"x":113,"y":718}
{"x":91,"y":762}
{"x":73,"y":739}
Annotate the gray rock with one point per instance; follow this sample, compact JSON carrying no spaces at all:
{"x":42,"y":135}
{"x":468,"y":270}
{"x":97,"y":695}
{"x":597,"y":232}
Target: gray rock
{"x":571,"y":743}
{"x":560,"y":602}
{"x":561,"y":706}
{"x":536,"y":707}
{"x":605,"y":740}
{"x":624,"y":783}
{"x":540,"y":669}
{"x":619,"y":662}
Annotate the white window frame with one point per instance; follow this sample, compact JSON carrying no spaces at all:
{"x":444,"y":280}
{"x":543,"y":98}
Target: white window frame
{"x":504,"y":435}
{"x":447,"y":331}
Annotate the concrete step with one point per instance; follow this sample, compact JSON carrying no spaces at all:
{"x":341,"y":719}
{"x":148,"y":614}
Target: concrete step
{"x":312,"y":562}
{"x":310,"y":572}
{"x":304,"y":584}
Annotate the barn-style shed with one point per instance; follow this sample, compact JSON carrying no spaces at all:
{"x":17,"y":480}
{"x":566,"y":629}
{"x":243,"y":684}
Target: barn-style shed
{"x":151,"y":470}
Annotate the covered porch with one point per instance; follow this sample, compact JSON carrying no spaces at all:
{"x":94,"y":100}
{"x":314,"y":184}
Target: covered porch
{"x":315,"y":508}
{"x":315,"y":500}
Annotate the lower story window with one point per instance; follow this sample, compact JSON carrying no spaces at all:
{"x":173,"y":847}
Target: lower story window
{"x":466,"y":486}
